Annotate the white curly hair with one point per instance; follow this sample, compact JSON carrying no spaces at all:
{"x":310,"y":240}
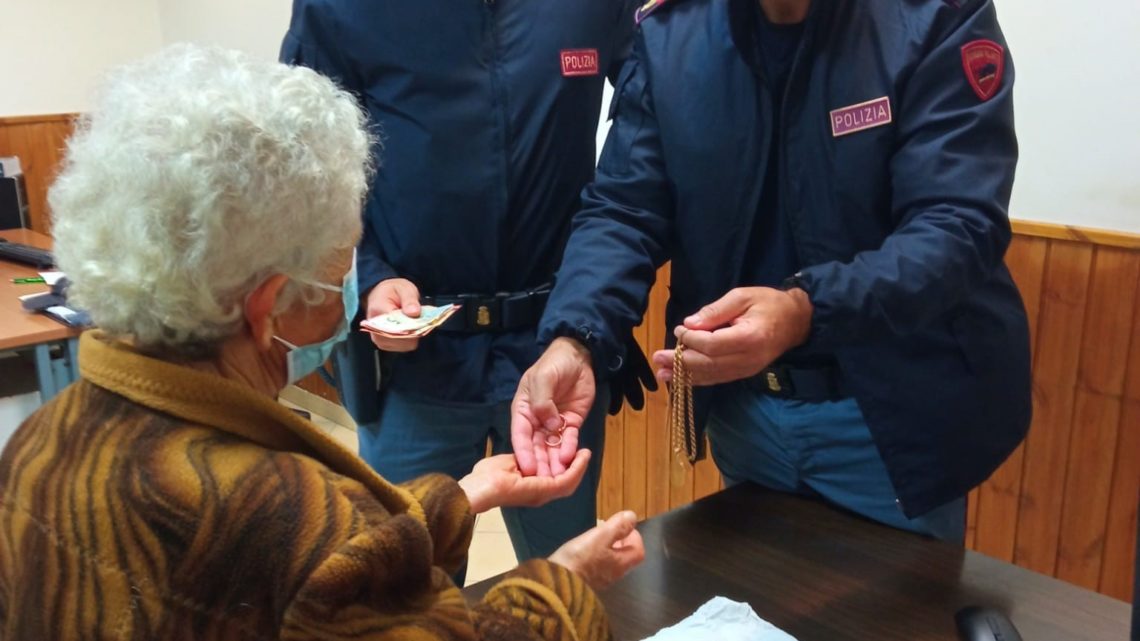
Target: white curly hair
{"x":199,"y":173}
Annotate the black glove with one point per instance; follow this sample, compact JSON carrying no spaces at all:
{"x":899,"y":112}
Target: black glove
{"x":626,"y":383}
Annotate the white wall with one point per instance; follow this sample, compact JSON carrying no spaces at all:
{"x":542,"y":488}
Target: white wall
{"x":1077,"y":100}
{"x":1077,"y":92}
{"x":255,"y":26}
{"x":55,"y":51}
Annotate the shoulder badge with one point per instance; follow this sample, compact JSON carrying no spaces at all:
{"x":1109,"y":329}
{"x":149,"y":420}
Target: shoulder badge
{"x":649,"y":7}
{"x":984,"y":64}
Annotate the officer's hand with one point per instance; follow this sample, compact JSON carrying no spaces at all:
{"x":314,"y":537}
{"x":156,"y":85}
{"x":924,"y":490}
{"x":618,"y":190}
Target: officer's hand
{"x":740,"y":334}
{"x":390,"y":295}
{"x":559,"y":387}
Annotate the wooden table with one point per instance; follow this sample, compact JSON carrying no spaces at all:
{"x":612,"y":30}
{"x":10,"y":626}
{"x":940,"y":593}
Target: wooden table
{"x":823,"y":575}
{"x":53,"y":343}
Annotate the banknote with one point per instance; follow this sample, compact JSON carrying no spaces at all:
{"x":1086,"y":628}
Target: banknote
{"x":396,"y":324}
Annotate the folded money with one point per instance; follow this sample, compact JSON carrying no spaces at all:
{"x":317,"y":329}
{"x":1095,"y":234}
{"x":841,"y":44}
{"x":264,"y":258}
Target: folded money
{"x":396,"y":324}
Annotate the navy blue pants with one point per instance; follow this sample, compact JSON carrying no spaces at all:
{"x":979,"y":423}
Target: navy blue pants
{"x":819,"y":449}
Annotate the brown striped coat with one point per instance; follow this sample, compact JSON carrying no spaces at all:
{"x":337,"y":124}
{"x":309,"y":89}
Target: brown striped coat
{"x":152,"y":501}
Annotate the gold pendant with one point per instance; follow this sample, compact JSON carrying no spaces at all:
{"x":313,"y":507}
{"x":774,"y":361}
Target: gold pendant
{"x":679,"y":470}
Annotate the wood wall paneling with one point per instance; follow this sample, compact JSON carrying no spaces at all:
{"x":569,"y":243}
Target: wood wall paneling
{"x":657,"y":406}
{"x":1086,"y":235}
{"x":39,"y":142}
{"x":611,"y":496}
{"x":1060,"y":326}
{"x":1120,"y":527}
{"x":635,"y":472}
{"x":1001,"y":493}
{"x":1095,"y":433}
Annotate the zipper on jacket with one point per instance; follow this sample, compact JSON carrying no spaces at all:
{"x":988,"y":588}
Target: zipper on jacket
{"x":501,"y":118}
{"x":782,"y":143}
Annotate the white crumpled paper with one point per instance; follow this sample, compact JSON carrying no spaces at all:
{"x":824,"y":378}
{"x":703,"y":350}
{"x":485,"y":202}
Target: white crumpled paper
{"x":722,"y":619}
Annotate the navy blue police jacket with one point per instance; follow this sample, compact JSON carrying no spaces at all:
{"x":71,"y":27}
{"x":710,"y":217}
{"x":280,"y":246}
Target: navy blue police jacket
{"x":897,"y":152}
{"x":486,"y":114}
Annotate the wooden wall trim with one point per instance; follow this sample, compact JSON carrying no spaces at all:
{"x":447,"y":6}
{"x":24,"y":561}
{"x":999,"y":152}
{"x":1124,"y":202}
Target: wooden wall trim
{"x":1091,"y":235}
{"x":7,"y":121}
{"x":1102,"y":237}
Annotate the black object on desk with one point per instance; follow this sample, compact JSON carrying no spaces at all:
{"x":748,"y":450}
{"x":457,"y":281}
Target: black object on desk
{"x":985,"y":624}
{"x":13,"y":201}
{"x":54,"y":305}
{"x":21,"y":253}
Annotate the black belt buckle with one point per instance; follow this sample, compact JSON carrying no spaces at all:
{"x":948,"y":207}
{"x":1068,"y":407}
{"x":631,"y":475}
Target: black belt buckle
{"x":812,"y":385}
{"x":504,"y":311}
{"x":777,"y":382}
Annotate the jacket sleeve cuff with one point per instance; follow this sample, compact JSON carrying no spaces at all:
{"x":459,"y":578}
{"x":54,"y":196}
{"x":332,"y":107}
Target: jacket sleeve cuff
{"x":552,"y":598}
{"x":811,"y":280}
{"x":607,"y":355}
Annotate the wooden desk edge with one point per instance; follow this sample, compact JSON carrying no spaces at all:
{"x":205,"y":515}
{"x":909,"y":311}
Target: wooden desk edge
{"x":49,"y":330}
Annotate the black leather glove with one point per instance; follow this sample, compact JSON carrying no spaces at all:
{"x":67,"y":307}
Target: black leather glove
{"x":626,"y":383}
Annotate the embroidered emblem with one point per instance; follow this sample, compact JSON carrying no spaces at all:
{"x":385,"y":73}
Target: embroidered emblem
{"x":865,"y":115}
{"x":579,"y":62}
{"x":984,"y":62}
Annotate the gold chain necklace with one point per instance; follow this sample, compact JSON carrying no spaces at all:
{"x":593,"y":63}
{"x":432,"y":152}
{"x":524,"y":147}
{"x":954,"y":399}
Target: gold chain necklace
{"x":682,"y":434}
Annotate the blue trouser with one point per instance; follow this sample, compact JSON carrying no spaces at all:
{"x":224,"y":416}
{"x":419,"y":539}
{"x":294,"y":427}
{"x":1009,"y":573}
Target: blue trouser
{"x":821,"y":449}
{"x":414,"y":437}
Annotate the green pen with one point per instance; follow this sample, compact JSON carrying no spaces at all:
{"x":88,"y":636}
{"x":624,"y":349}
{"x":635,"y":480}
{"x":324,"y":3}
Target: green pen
{"x":29,"y":281}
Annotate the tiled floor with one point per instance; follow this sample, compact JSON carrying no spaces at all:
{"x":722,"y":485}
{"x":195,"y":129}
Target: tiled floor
{"x":13,"y":411}
{"x":18,"y":395}
{"x":491,"y":552}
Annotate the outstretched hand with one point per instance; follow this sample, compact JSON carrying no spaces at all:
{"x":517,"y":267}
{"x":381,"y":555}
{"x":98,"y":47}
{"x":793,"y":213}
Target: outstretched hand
{"x":497,"y":481}
{"x":551,"y":404}
{"x":605,"y":553}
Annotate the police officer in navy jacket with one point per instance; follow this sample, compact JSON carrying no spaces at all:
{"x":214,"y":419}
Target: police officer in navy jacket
{"x":486,"y":114}
{"x":830,"y":179}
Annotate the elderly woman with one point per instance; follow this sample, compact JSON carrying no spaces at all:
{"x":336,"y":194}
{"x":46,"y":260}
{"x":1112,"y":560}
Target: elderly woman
{"x":207,"y":215}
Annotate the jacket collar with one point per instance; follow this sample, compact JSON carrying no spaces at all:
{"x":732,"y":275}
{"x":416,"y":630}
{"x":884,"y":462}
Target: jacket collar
{"x":742,"y":24}
{"x":212,"y":401}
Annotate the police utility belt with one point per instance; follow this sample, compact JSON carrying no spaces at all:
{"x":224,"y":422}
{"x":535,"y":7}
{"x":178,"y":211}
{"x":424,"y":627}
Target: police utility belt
{"x":502,"y":312}
{"x":809,"y":384}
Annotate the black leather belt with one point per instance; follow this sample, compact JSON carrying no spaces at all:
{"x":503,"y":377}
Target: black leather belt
{"x":502,"y":312}
{"x":813,"y":385}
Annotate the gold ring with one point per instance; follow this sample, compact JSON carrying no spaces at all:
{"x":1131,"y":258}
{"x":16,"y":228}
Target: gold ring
{"x":554,"y":440}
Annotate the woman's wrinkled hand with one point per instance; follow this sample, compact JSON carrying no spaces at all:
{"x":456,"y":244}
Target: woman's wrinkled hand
{"x":496,"y":481}
{"x":605,"y":553}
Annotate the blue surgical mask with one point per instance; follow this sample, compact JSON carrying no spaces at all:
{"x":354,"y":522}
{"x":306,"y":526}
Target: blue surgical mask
{"x":303,"y":360}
